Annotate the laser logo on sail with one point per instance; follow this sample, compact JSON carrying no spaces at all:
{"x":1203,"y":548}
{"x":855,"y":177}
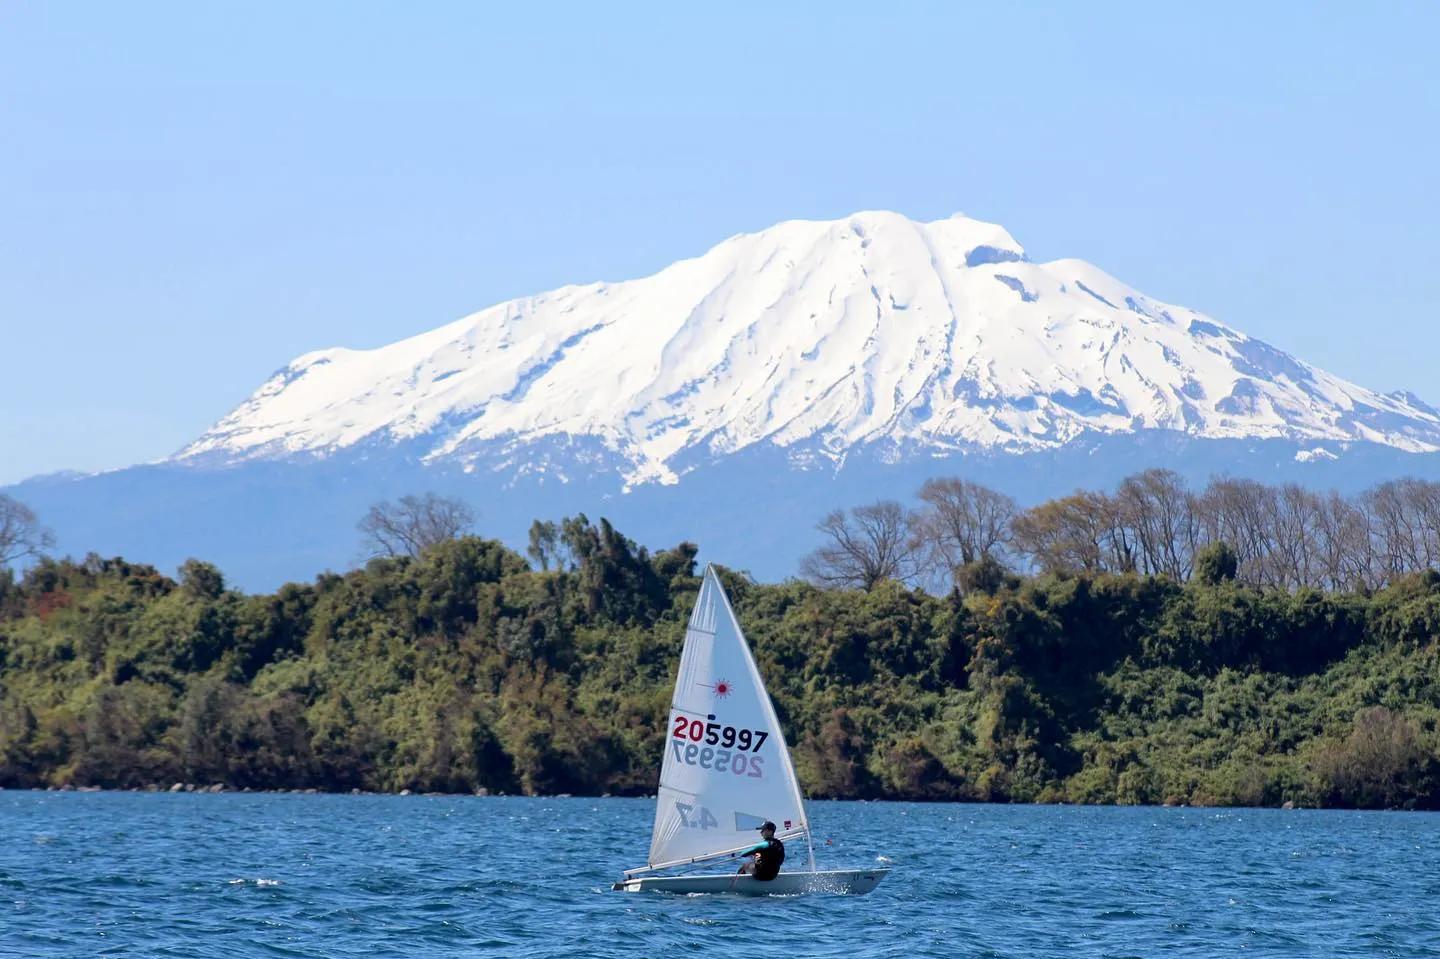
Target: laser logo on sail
{"x":722,"y":687}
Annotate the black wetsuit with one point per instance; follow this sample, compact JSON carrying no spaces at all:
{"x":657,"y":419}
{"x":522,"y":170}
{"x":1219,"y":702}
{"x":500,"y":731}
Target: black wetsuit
{"x":769,"y":854}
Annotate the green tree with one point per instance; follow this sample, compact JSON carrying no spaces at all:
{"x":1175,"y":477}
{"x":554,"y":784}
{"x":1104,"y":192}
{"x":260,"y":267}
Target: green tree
{"x":201,"y":580}
{"x":1216,"y":564}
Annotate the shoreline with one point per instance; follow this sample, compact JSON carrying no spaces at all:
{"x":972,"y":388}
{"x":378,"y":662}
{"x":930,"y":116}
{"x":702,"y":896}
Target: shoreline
{"x":221,"y":789}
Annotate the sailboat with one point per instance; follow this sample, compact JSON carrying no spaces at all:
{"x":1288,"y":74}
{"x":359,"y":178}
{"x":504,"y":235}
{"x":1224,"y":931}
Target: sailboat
{"x":727,"y":771}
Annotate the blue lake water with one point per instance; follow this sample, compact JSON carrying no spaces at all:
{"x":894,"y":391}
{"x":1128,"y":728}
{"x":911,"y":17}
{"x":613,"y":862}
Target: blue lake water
{"x":125,"y":874}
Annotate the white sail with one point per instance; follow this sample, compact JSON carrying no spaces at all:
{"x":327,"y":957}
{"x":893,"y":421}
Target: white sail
{"x":727,"y":768}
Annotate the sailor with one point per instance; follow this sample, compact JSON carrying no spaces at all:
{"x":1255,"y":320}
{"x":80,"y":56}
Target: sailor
{"x":768,"y":853}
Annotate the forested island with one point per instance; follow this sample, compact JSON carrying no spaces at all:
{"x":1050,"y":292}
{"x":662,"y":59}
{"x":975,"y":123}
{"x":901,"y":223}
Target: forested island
{"x":1142,"y":657}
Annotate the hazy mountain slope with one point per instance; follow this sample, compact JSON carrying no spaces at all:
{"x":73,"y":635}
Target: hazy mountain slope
{"x":265,"y":521}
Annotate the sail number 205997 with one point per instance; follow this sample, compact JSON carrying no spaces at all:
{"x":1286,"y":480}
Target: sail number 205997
{"x":714,"y":734}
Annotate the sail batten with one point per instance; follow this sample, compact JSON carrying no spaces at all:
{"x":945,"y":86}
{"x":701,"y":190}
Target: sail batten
{"x":727,"y":767}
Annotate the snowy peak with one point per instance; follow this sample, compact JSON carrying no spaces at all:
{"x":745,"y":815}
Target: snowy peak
{"x":816,"y":336}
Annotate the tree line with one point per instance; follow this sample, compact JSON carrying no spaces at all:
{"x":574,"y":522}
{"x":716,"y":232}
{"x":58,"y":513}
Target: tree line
{"x":1282,"y":537}
{"x":450,"y":662}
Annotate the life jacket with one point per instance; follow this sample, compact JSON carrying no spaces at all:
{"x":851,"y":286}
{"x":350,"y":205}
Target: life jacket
{"x":768,"y":860}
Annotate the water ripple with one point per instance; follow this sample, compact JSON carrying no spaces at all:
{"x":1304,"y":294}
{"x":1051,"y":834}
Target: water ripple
{"x":183,"y":875}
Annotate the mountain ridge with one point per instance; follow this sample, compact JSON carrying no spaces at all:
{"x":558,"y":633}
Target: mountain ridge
{"x":816,"y":337}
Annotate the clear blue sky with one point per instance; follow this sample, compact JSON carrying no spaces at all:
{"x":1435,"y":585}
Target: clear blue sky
{"x":191,"y":194}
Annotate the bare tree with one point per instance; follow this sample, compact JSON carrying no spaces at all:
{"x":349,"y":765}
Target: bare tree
{"x":1405,"y":515}
{"x":1237,"y":512}
{"x":1283,"y":537}
{"x":864,"y":548}
{"x":414,"y":524}
{"x":21,"y":535}
{"x":1160,"y":514}
{"x":1294,"y":558}
{"x":962,"y":523}
{"x":1394,"y":533}
{"x":1425,"y":501}
{"x":1345,"y":544}
{"x":1079,"y":533}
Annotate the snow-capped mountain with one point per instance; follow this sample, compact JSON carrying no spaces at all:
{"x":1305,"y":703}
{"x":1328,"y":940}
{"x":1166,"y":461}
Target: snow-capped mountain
{"x":889,"y":352}
{"x":816,"y":337}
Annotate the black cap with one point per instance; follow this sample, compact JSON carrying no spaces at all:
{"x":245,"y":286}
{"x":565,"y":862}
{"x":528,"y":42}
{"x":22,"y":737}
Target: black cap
{"x":767,"y":825}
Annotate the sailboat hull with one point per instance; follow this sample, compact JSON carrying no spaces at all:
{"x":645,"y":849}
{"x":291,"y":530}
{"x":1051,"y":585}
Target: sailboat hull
{"x":838,"y":882}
